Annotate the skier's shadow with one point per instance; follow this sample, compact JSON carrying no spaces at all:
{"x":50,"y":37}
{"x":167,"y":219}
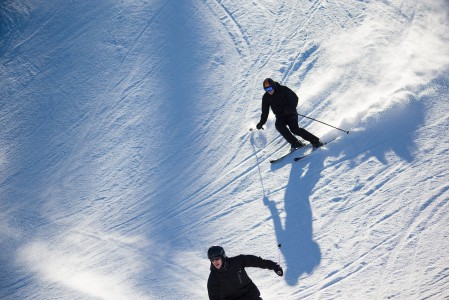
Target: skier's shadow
{"x":301,"y":253}
{"x":382,"y":135}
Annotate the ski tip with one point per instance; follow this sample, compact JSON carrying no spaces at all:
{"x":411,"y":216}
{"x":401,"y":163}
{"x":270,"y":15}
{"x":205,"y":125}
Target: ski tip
{"x":299,"y":158}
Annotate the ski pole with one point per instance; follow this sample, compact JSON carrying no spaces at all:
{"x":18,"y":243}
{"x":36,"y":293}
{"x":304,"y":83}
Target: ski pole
{"x":279,"y":254}
{"x":347,"y":132}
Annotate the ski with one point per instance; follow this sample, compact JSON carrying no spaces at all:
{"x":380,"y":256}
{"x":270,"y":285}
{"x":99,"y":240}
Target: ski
{"x":313,"y":150}
{"x":284,"y":156}
{"x":305,"y":155}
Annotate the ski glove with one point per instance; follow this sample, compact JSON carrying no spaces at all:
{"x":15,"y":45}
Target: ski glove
{"x":278,"y":270}
{"x":259,"y":126}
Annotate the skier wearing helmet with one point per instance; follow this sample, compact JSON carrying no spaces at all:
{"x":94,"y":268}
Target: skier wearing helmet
{"x":283,"y":102}
{"x":228,"y":278}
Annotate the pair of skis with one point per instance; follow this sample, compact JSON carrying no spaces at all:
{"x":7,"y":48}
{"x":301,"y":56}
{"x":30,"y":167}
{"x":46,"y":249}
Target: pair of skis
{"x":304,"y":155}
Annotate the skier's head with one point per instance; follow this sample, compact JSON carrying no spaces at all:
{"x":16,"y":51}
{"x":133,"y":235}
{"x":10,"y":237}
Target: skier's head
{"x":269,"y":86}
{"x":217,"y":256}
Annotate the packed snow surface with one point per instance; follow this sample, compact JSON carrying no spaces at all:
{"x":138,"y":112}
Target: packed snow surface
{"x":125,"y":149}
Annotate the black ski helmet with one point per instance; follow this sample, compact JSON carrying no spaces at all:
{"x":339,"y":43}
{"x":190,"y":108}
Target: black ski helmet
{"x":268,"y":82}
{"x":216,"y":251}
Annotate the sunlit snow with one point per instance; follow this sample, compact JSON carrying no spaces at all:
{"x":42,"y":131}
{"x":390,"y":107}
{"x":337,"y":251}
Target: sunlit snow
{"x":125,"y":149}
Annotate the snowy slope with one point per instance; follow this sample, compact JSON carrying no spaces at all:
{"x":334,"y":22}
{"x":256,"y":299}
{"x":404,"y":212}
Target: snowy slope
{"x":125,"y":150}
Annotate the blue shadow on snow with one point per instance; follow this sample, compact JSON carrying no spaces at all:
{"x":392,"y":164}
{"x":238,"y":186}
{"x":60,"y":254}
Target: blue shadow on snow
{"x":301,"y":253}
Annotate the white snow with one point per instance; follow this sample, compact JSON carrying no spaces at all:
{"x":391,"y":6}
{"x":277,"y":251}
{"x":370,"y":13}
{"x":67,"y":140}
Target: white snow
{"x":125,"y":149}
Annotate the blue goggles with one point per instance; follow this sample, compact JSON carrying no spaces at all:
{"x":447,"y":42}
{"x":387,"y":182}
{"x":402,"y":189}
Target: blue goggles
{"x":269,"y":88}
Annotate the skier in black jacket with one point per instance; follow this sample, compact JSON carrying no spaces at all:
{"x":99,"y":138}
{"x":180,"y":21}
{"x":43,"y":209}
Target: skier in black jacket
{"x":283,"y":102}
{"x":228,"y":279}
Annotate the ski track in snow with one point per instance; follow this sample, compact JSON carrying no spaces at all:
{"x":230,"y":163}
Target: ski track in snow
{"x":125,"y":151}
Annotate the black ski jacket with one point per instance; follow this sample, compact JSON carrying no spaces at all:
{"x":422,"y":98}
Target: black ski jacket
{"x":231,"y":282}
{"x":282,"y":102}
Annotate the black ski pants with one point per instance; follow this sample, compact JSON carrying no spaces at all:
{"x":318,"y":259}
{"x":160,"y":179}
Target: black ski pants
{"x":291,"y":121}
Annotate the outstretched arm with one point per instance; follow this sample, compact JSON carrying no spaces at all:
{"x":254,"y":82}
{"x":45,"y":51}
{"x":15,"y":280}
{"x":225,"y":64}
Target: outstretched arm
{"x":258,"y":262}
{"x":265,"y":111}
